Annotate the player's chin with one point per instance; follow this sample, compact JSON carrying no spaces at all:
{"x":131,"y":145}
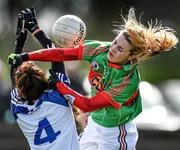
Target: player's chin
{"x":109,"y":57}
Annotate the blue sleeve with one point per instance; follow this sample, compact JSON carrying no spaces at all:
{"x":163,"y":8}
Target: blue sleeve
{"x":14,"y":100}
{"x":63,"y":78}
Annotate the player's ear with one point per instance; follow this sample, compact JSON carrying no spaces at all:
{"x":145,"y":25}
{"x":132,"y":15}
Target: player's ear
{"x":132,"y":59}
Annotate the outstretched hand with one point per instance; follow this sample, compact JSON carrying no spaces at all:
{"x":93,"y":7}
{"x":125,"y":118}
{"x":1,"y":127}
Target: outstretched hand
{"x":17,"y":59}
{"x":14,"y":60}
{"x":30,"y":19}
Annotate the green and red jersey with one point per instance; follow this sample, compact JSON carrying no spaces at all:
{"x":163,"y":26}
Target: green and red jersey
{"x":119,"y":83}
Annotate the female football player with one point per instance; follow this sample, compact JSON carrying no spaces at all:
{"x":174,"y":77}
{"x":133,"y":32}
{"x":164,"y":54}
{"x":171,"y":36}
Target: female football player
{"x":44,"y":116}
{"x":114,"y":77}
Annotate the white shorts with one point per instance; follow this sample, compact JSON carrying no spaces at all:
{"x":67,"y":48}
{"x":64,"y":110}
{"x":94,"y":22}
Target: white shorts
{"x":97,"y":137}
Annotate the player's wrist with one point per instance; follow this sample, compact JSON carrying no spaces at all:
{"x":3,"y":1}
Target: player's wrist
{"x":24,"y":56}
{"x":36,"y":31}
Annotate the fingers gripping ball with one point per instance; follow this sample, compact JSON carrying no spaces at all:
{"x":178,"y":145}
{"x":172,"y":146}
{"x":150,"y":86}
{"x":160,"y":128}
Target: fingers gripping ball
{"x":68,"y":31}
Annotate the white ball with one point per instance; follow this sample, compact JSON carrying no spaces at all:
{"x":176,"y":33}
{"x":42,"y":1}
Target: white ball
{"x":68,"y":31}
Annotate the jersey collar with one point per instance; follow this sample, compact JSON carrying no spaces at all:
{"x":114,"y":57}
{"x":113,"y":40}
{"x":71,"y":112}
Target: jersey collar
{"x":112,"y":65}
{"x":126,"y":67}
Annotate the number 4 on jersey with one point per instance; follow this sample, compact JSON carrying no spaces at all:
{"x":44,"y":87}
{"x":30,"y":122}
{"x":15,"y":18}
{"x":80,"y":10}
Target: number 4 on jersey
{"x":51,"y":135}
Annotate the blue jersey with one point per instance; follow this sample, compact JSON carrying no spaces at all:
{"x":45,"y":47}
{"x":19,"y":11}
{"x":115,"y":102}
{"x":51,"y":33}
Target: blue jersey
{"x":48,"y":124}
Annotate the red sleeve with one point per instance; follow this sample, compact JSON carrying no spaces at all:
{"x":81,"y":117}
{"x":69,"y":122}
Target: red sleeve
{"x":57,"y":54}
{"x":100,"y":100}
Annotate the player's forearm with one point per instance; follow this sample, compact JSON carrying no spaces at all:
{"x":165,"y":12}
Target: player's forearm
{"x":56,"y":54}
{"x":86,"y":104}
{"x":43,"y":39}
{"x":12,"y":76}
{"x":18,"y":50}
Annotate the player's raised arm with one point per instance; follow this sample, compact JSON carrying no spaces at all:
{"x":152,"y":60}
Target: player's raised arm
{"x":21,"y":37}
{"x":31,"y":23}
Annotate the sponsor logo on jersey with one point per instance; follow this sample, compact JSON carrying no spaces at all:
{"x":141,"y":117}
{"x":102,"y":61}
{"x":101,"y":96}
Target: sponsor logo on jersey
{"x":97,"y":83}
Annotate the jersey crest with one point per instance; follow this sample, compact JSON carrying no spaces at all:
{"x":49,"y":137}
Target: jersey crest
{"x":94,"y":65}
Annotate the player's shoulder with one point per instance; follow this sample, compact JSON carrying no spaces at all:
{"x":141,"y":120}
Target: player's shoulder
{"x":53,"y":96}
{"x":92,"y":48}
